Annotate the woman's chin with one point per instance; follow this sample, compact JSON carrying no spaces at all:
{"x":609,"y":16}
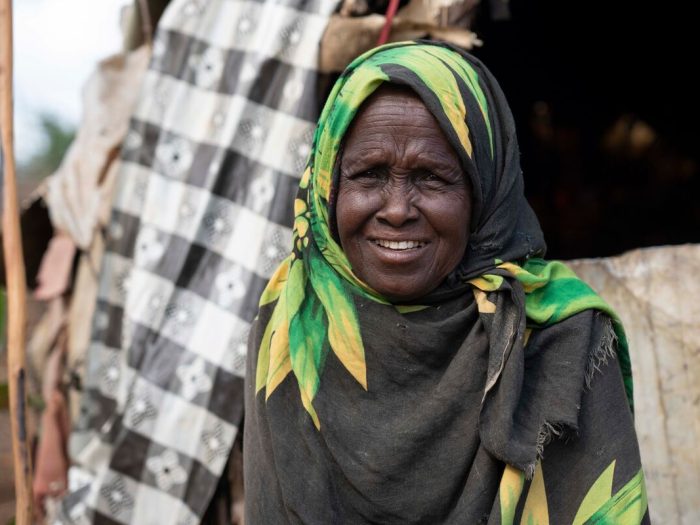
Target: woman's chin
{"x":402,"y":292}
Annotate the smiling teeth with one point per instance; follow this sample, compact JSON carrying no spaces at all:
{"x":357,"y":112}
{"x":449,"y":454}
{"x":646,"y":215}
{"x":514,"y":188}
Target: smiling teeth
{"x":399,"y":245}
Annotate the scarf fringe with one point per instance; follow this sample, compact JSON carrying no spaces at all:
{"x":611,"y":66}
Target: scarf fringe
{"x":600,"y":357}
{"x":606,"y":351}
{"x":548,"y":431}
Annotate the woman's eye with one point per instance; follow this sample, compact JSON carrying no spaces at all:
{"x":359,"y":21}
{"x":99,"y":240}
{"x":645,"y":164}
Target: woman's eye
{"x":370,"y":174}
{"x":430,"y":177}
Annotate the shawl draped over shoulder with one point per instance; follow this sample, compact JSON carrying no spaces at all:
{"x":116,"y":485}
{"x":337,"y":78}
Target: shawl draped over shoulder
{"x":503,"y":397}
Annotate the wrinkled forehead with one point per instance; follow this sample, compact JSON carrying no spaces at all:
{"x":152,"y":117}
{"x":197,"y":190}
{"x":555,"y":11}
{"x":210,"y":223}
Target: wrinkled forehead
{"x":392,"y":110}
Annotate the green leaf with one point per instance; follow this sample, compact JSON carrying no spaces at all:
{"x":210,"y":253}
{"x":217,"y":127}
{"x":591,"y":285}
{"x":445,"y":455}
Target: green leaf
{"x":599,"y":493}
{"x":536,"y":510}
{"x":627,"y":507}
{"x":343,"y":326}
{"x":308,"y":348}
{"x":509,"y":492}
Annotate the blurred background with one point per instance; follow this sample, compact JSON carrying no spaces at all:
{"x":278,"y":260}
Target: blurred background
{"x":605,"y":100}
{"x":56,"y":47}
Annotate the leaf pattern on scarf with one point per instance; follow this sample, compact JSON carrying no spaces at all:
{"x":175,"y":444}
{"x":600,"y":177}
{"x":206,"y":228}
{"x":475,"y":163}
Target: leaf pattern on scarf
{"x":309,"y":352}
{"x":509,"y":492}
{"x":276,"y":284}
{"x":627,"y":507}
{"x":343,"y":328}
{"x":599,"y":505}
{"x":536,"y":511}
{"x":280,"y":360}
{"x":275,"y":348}
{"x":599,"y":493}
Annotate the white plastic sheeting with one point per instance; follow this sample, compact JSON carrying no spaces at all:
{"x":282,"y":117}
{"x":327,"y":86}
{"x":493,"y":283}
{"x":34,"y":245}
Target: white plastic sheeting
{"x":656,"y":292}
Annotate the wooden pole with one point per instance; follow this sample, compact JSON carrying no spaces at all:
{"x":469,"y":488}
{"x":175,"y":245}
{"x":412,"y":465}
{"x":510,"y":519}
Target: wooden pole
{"x":15,"y":279}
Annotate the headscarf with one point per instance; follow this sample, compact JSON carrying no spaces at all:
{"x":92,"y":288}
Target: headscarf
{"x":311,"y":292}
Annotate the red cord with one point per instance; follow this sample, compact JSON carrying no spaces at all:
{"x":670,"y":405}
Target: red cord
{"x":386,"y":30}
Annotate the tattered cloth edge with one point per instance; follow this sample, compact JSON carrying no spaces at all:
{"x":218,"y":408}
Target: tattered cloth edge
{"x":599,"y":357}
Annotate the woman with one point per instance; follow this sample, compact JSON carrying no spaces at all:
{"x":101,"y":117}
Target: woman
{"x":399,"y":370}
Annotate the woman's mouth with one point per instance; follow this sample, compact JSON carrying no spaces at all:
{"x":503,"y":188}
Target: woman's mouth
{"x":398,"y":245}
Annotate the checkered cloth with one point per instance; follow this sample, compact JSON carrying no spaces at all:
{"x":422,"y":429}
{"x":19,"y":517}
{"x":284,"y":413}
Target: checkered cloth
{"x":201,"y":219}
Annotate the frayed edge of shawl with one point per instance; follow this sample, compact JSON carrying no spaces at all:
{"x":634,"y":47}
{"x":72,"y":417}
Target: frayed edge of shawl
{"x":603,"y":353}
{"x":530,"y":471}
{"x":606,"y":351}
{"x":548,"y":431}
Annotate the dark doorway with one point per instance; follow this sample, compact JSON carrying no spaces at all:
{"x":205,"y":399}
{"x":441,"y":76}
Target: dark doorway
{"x":605,"y":96}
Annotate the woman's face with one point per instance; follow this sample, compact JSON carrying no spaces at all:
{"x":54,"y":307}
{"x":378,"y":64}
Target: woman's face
{"x":404,"y":206}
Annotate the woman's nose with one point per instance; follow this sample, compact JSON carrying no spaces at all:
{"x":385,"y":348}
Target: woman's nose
{"x":397,"y":206}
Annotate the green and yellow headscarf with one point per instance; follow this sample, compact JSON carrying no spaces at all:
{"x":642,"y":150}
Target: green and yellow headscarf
{"x":311,"y":293}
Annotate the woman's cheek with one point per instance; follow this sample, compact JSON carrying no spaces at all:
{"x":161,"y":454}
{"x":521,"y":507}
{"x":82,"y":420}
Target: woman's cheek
{"x":357,"y":202}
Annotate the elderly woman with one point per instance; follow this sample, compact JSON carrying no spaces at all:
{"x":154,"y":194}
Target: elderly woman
{"x":413,"y":361}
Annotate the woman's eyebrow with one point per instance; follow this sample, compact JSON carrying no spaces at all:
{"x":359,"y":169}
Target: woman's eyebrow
{"x":434,"y":162}
{"x":367,"y":158}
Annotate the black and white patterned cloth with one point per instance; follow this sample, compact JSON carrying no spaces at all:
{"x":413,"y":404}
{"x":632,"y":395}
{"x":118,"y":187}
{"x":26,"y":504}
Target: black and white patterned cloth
{"x":201,"y":219}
